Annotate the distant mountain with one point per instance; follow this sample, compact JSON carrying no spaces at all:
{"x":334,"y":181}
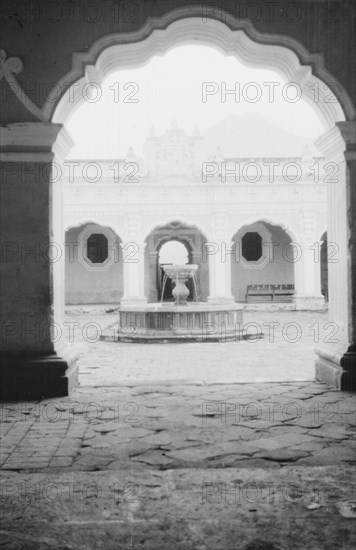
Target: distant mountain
{"x":251,"y":135}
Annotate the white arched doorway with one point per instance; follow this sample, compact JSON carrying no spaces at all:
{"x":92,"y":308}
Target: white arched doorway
{"x":170,"y":253}
{"x":282,"y":54}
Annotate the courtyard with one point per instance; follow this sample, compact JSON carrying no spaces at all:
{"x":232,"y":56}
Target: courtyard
{"x":189,"y":446}
{"x":286,"y":352}
{"x":164,"y":166}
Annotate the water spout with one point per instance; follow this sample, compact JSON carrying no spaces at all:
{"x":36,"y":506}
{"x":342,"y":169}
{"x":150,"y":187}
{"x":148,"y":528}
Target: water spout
{"x":165,"y":277}
{"x":195,"y":284}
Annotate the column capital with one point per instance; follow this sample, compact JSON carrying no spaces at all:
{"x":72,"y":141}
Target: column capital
{"x":63,"y":144}
{"x":29,"y":141}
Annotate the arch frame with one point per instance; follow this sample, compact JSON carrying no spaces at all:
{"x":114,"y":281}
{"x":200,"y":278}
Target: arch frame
{"x":271,"y":221}
{"x":186,"y":223}
{"x":23,"y":147}
{"x":91,"y":221}
{"x":184,"y":25}
{"x":83,"y":237}
{"x":184,"y":240}
{"x":170,"y":230}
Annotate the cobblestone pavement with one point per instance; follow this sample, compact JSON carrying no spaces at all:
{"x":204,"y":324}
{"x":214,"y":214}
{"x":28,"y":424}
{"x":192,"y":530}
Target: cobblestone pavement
{"x":194,"y":465}
{"x":181,"y":426}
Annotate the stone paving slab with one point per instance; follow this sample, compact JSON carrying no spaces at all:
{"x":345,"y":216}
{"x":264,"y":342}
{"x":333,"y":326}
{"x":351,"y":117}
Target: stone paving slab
{"x":180,"y":428}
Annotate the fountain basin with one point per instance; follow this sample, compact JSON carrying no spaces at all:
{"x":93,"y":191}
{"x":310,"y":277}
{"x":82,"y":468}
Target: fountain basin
{"x":163,"y":323}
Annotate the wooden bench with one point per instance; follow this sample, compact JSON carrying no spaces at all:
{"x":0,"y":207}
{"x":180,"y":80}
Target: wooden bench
{"x":269,"y":293}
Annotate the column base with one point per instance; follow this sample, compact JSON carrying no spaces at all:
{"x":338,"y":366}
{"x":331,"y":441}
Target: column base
{"x":309,"y":303}
{"x":335,"y":368}
{"x":33,"y":378}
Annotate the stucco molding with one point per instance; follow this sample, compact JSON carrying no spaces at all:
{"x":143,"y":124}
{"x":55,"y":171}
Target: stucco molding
{"x":266,"y":236}
{"x":175,"y":236}
{"x":8,"y":69}
{"x":82,"y":242}
{"x":28,"y":141}
{"x":73,"y":221}
{"x":155,"y":220}
{"x":63,"y":144}
{"x":251,"y":219}
{"x":184,"y":26}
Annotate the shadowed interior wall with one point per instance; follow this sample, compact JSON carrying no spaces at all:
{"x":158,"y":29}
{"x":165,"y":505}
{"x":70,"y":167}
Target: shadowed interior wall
{"x":279,"y":271}
{"x":83,"y":286}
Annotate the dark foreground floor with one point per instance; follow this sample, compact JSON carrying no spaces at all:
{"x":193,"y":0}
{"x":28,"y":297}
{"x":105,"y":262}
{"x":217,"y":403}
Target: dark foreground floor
{"x":264,"y":466}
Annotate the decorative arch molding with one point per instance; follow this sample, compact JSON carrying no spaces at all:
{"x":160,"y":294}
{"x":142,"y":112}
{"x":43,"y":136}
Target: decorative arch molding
{"x":276,"y":223}
{"x":185,"y":240}
{"x":82,"y":249}
{"x":187,"y":224}
{"x":183,"y":26}
{"x":85,"y":222}
{"x":265,"y":234}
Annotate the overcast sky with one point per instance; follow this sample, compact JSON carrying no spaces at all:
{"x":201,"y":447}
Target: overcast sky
{"x":170,"y":87}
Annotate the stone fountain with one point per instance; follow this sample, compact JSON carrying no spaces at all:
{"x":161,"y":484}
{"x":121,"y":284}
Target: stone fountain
{"x":180,"y":274}
{"x":180,"y":321}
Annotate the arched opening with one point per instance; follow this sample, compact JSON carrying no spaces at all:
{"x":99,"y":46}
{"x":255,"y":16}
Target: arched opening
{"x":262,"y":270}
{"x":171,"y":244}
{"x":236,"y":409}
{"x":287,"y":58}
{"x":93,"y":265}
{"x":172,"y":252}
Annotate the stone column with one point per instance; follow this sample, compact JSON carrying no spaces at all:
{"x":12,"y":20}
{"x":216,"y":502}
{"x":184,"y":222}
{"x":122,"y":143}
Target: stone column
{"x":134,"y":273}
{"x":61,"y":148}
{"x":219,"y":253}
{"x":307,"y":289}
{"x":220,"y":273}
{"x":30,"y":366}
{"x":336,"y":362}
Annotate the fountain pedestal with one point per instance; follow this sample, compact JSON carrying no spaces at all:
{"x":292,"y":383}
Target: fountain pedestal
{"x":179,"y":274}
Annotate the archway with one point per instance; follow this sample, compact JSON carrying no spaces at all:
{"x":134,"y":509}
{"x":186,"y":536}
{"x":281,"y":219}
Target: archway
{"x":170,"y":243}
{"x":171,"y":252}
{"x":93,"y":265}
{"x":291,"y":60}
{"x":230,"y":35}
{"x":235,"y":37}
{"x":262,"y":267}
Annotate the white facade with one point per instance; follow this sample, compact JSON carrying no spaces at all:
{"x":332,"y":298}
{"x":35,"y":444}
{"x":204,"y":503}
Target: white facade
{"x":220,"y":197}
